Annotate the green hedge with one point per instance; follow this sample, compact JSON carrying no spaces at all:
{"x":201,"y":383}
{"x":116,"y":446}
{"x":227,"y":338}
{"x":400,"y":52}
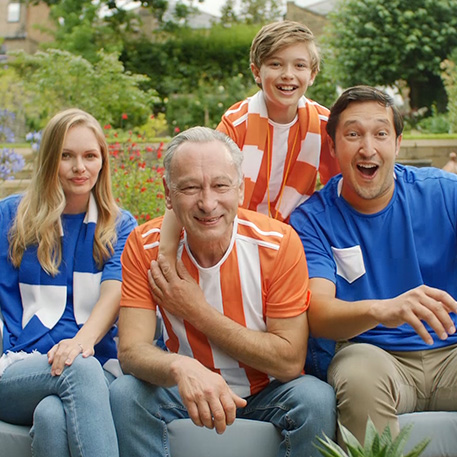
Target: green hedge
{"x":199,"y":73}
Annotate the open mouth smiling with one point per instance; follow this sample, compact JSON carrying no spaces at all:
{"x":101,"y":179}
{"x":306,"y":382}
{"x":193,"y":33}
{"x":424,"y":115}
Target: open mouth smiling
{"x":367,"y":169}
{"x":208,"y":220}
{"x":287,"y":88}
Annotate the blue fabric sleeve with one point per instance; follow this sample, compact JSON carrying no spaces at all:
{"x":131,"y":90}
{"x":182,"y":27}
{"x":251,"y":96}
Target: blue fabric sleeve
{"x":112,"y":269}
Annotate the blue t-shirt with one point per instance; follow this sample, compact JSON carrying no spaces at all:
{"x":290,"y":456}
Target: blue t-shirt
{"x":10,"y":297}
{"x":413,"y":241}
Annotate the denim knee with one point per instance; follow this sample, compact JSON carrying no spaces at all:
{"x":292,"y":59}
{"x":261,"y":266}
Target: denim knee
{"x":314,"y":403}
{"x":49,"y":428}
{"x":120,"y":392}
{"x":85,"y":371}
{"x":49,"y":414}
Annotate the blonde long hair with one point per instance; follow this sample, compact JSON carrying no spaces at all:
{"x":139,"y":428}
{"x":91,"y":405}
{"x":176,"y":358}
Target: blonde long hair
{"x":38,"y":216}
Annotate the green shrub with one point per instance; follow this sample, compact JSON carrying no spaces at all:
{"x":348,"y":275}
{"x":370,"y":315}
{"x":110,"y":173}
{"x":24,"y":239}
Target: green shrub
{"x":449,"y":76}
{"x":204,"y":106}
{"x":436,"y":123}
{"x":155,"y":126}
{"x":188,"y":69}
{"x":55,"y":80}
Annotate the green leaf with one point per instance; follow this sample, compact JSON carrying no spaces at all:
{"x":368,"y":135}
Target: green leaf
{"x":330,"y":448}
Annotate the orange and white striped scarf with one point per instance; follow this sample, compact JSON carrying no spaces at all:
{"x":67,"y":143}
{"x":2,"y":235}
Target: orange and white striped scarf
{"x":248,"y":125}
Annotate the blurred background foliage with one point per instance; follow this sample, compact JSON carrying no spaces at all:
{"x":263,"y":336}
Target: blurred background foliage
{"x":101,"y":59}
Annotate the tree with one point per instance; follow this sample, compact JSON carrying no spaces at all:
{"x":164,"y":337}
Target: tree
{"x":228,"y":13}
{"x":251,"y":11}
{"x":449,"y":75}
{"x":80,"y":28}
{"x":260,"y":11}
{"x":380,"y":42}
{"x":84,"y":26}
{"x":54,"y":80}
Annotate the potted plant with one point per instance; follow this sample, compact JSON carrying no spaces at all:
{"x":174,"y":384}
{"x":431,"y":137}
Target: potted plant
{"x":376,"y":445}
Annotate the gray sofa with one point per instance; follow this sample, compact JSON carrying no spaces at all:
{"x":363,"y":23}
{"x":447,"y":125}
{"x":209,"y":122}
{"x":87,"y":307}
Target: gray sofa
{"x":247,"y":438}
{"x":243,"y":438}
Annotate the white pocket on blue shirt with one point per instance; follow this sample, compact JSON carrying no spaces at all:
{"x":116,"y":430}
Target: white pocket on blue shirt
{"x":349,"y":263}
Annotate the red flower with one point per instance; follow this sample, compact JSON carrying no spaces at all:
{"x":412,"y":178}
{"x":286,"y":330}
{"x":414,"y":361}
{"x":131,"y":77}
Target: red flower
{"x":107,"y":126}
{"x":159,"y":150}
{"x":149,"y":149}
{"x":124,"y":116}
{"x":143,"y":189}
{"x":177,"y":129}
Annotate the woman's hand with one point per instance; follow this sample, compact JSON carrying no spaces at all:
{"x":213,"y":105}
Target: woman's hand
{"x":64,"y":353}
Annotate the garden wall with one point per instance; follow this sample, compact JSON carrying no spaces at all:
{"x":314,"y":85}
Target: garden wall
{"x":426,"y":152}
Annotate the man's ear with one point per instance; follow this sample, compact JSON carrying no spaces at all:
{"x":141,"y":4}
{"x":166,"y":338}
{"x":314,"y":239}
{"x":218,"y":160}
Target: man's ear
{"x":331,"y":146}
{"x":241,"y":192}
{"x":398,"y":143}
{"x":167,"y":194}
{"x":256,"y":73}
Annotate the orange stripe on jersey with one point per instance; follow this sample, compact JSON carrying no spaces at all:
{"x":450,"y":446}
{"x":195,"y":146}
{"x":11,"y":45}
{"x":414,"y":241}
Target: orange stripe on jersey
{"x":256,"y":125}
{"x":172,"y":341}
{"x":232,"y":297}
{"x":257,"y":379}
{"x":262,"y":181}
{"x":199,"y":345}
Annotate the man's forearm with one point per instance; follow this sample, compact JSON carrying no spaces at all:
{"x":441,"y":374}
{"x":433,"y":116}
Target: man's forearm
{"x":339,"y":320}
{"x":148,"y":363}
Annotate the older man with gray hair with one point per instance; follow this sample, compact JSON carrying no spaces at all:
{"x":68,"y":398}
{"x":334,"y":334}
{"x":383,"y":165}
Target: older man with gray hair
{"x":234,"y":313}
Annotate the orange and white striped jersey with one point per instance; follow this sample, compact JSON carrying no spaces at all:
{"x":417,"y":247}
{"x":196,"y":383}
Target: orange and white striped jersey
{"x":280,"y":161}
{"x":262,"y":274}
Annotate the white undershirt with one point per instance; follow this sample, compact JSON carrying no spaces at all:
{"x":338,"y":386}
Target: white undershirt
{"x":279,"y":155}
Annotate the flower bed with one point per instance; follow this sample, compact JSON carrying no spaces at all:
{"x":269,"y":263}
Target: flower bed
{"x":137,"y":174}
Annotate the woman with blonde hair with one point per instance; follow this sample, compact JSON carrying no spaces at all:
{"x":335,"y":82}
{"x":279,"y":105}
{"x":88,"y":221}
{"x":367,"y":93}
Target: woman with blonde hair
{"x":60,"y":248}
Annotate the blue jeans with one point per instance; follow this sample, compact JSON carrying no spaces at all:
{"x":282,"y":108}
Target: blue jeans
{"x":301,"y":409}
{"x":71,"y":413}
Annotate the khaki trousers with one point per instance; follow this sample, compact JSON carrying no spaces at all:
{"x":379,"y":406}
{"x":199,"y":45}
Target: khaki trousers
{"x":371,"y":382}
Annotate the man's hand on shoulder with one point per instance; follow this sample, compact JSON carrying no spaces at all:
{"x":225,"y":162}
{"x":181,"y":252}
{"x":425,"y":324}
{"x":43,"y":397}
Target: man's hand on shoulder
{"x":422,"y":304}
{"x":209,"y":400}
